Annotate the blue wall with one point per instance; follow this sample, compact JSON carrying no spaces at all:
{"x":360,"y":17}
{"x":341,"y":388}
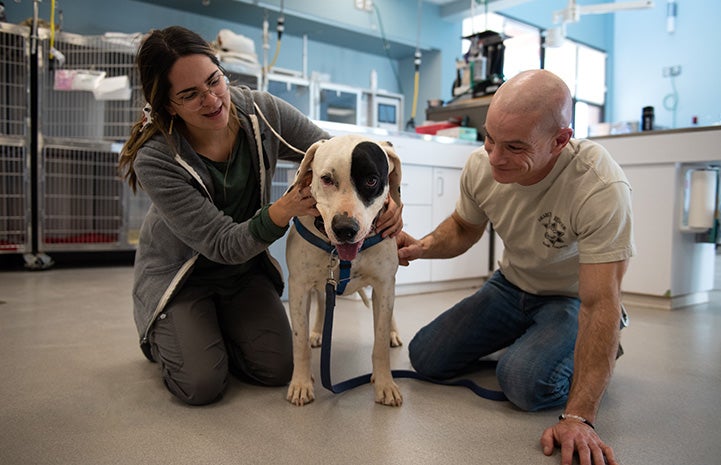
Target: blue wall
{"x":639,"y":48}
{"x":636,"y":41}
{"x":644,"y":48}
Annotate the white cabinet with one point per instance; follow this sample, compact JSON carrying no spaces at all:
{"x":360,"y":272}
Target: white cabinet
{"x":429,"y":196}
{"x":474,"y":262}
{"x":670,"y":269}
{"x":417,"y":218}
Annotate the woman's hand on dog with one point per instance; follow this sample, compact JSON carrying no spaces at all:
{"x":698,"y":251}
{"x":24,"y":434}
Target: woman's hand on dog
{"x":298,"y":201}
{"x":390,"y":223}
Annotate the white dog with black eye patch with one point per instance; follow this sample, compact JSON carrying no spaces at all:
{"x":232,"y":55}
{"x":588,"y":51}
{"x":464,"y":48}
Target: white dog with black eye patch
{"x":350,"y":178}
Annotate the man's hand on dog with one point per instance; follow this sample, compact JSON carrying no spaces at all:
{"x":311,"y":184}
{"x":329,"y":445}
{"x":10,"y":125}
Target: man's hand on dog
{"x":409,"y":248}
{"x":298,"y":201}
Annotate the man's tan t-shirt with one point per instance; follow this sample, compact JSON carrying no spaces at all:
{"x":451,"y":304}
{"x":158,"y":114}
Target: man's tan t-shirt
{"x":579,"y":213}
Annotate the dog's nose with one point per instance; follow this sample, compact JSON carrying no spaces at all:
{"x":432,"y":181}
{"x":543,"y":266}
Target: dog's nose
{"x":345,"y":228}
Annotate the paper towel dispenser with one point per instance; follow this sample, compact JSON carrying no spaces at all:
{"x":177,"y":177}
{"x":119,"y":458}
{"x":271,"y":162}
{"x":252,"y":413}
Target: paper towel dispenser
{"x":700,"y":199}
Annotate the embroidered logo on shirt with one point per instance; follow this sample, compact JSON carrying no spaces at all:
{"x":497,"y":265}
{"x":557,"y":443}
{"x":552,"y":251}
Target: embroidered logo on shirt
{"x":554,"y":237}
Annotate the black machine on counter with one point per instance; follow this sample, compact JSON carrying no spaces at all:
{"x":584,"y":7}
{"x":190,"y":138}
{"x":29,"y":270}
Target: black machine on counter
{"x":480,"y":72}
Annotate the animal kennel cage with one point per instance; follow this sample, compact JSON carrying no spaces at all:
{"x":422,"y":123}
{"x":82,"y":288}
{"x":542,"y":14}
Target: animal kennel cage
{"x":242,"y":74}
{"x":73,"y":104}
{"x":82,"y":202}
{"x":15,"y":187}
{"x":60,"y":141}
{"x":282,"y":179}
{"x":15,"y":208}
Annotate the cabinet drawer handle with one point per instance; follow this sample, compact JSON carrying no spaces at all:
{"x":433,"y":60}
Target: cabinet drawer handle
{"x":439,"y":185}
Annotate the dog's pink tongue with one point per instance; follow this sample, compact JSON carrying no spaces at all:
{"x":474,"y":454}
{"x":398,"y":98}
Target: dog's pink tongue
{"x":348,"y":251}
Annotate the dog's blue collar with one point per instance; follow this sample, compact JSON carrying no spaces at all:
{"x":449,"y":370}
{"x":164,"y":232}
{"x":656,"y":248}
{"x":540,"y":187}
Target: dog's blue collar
{"x":344,"y":265}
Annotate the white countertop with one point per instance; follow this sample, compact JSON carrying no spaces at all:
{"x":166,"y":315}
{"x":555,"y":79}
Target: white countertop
{"x":688,"y":145}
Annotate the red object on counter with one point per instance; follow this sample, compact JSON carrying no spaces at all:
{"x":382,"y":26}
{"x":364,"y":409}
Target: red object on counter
{"x":433,"y":128}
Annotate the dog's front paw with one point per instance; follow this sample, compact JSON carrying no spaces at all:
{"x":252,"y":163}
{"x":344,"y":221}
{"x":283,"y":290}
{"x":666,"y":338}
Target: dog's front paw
{"x":316,"y":339}
{"x":396,"y":339}
{"x":300,"y":392}
{"x":387,"y":393}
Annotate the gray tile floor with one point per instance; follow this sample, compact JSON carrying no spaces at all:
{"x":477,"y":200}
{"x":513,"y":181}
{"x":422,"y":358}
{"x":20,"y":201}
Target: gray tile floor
{"x":75,"y":389}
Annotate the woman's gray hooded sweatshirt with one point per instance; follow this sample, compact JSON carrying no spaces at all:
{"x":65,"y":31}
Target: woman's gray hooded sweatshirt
{"x":183,"y":223}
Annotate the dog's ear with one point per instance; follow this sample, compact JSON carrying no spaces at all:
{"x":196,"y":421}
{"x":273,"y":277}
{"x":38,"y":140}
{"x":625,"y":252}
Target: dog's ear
{"x":394,"y":172}
{"x":304,"y":174}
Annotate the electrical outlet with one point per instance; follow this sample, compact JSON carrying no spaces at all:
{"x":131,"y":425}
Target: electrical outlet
{"x":365,"y":5}
{"x":671,"y":71}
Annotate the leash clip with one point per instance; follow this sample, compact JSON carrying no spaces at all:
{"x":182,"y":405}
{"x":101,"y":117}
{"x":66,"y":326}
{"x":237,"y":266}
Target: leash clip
{"x":331,"y":265}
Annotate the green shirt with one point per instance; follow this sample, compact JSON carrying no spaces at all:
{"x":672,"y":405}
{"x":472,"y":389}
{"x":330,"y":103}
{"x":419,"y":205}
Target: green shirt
{"x":237,"y":194}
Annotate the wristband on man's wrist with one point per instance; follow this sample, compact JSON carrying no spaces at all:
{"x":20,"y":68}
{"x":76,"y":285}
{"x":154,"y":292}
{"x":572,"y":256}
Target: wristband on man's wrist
{"x":569,"y":416}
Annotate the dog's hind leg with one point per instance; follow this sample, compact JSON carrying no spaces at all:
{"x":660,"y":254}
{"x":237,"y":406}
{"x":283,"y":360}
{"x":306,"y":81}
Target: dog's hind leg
{"x":316,"y":334}
{"x":395,"y":336}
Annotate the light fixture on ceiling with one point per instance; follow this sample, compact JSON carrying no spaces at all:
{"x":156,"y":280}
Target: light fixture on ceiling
{"x":573,"y":12}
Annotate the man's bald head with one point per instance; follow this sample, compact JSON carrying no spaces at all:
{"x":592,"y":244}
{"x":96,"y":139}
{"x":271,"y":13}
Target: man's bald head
{"x":536,"y":92}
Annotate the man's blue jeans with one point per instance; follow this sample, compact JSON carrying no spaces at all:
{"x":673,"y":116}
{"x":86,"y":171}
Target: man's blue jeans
{"x":539,"y":333}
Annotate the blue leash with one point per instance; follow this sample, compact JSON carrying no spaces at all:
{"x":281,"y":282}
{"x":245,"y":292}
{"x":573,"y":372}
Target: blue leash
{"x":325,"y":350}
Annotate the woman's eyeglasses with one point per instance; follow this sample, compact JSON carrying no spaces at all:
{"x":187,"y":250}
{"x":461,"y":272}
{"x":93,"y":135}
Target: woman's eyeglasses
{"x":193,"y":100}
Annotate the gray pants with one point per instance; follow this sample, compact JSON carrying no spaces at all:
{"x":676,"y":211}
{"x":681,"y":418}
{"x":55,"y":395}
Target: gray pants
{"x":204,"y":334}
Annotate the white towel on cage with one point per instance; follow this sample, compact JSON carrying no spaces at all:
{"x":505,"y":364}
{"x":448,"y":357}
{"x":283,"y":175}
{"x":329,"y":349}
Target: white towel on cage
{"x":236,"y":46}
{"x":131,"y":41}
{"x":113,"y":88}
{"x":77,"y":79}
